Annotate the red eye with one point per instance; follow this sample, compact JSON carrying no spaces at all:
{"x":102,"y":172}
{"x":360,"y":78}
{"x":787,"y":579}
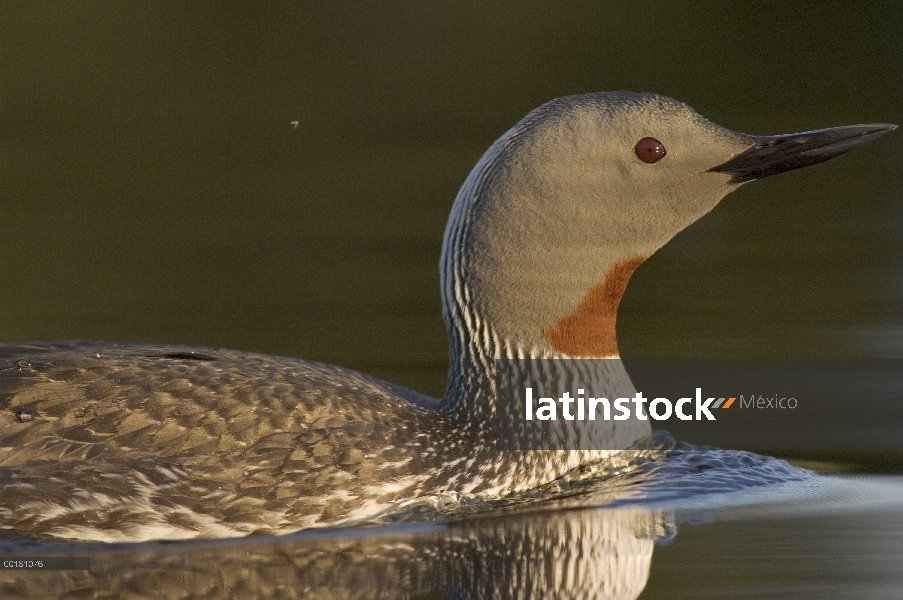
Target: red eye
{"x":649,"y":150}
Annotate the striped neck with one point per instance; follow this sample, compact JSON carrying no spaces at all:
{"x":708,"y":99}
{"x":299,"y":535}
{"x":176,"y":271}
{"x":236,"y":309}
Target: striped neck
{"x":476,"y":341}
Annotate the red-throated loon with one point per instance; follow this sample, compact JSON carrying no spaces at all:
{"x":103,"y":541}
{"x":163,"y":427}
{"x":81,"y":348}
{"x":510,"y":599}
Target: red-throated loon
{"x":115,"y":442}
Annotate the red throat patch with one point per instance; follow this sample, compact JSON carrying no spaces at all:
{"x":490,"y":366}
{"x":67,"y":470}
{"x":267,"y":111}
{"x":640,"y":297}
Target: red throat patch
{"x":590,"y":329}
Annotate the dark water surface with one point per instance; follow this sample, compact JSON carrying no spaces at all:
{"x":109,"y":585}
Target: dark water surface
{"x":154,"y":189}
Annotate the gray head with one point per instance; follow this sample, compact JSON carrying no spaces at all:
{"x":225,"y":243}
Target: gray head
{"x":553,"y":220}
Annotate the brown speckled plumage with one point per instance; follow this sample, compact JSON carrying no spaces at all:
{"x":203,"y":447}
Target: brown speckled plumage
{"x":98,"y":427}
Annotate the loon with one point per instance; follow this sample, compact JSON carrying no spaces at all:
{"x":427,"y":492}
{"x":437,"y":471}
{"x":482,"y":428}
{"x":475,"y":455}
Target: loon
{"x":130,"y":442}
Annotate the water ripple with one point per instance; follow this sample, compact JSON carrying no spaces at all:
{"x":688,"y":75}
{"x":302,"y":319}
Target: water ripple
{"x":658,"y":474}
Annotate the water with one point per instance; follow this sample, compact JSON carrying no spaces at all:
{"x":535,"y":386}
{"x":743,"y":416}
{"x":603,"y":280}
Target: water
{"x":152,"y":189}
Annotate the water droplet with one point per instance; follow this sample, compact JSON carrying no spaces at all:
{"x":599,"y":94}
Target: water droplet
{"x":23,"y":416}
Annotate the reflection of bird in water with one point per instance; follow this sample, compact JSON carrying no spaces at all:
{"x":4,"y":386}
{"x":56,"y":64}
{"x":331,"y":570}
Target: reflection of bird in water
{"x":130,"y":442}
{"x":600,"y":554}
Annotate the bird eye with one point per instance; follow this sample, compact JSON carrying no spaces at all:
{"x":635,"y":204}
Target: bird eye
{"x":649,"y":150}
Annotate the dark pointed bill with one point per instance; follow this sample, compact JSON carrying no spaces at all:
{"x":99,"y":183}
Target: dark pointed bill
{"x":772,"y":154}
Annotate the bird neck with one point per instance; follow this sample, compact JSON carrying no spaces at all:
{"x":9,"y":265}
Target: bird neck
{"x":559,"y":302}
